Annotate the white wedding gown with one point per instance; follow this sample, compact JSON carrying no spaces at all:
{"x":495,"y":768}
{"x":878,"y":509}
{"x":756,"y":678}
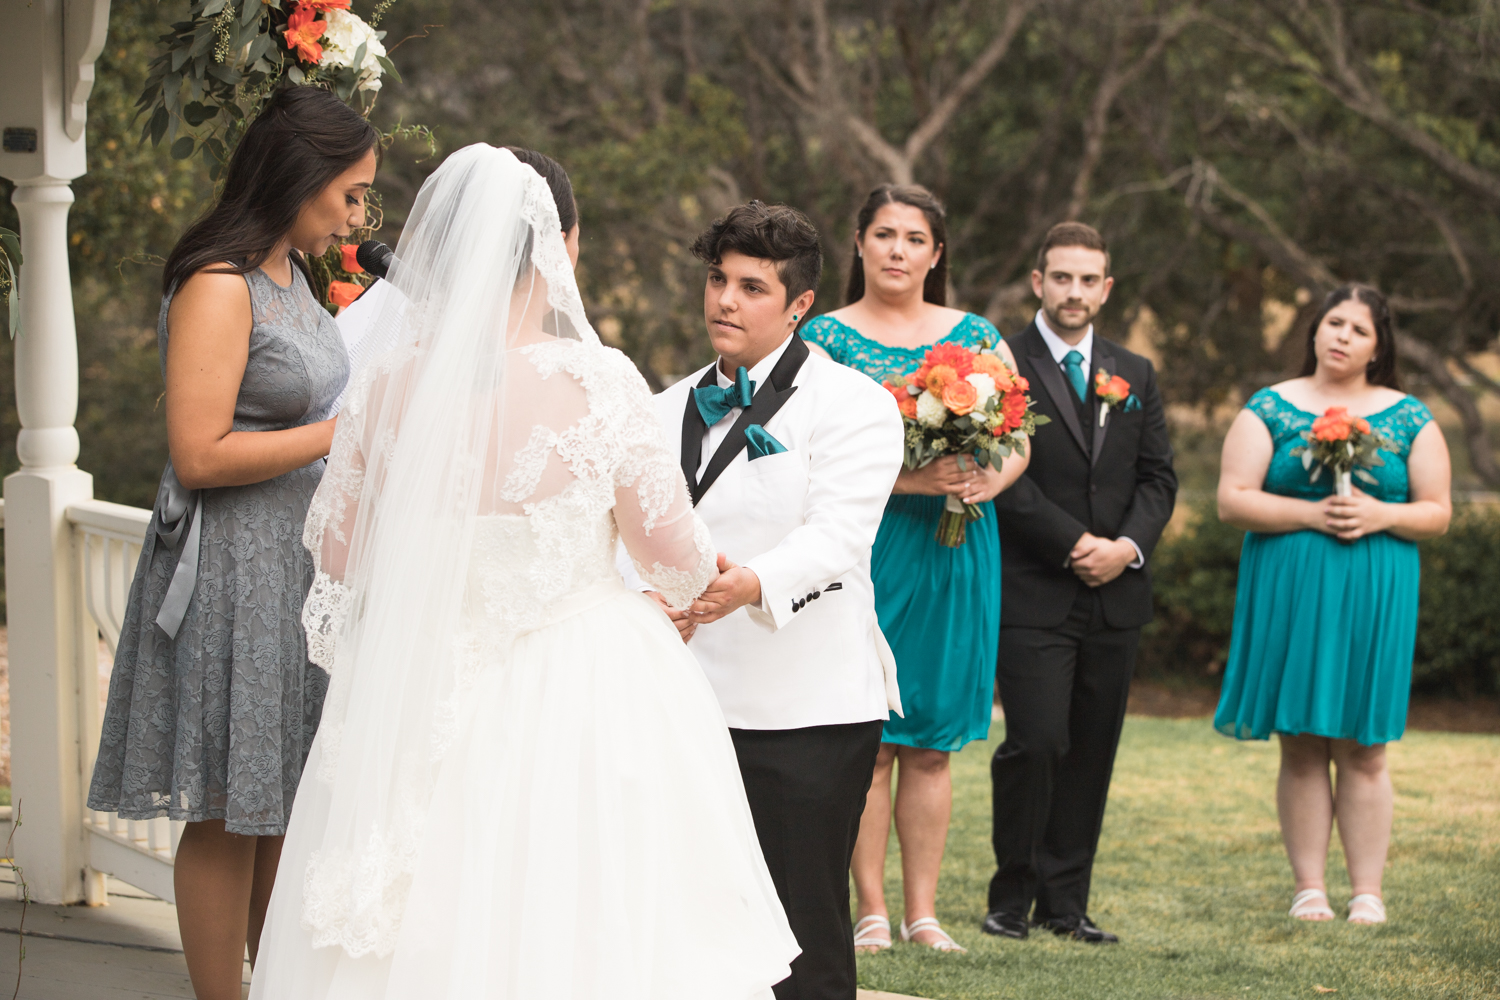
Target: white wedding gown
{"x":581,"y":830}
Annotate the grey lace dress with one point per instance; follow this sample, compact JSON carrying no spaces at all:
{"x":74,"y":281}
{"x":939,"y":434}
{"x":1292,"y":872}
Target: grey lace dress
{"x":216,"y":723}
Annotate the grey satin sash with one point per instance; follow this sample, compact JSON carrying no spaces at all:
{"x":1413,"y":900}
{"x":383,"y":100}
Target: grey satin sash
{"x":178,"y":508}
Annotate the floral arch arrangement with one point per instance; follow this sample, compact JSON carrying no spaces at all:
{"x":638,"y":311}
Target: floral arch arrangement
{"x":217,"y":69}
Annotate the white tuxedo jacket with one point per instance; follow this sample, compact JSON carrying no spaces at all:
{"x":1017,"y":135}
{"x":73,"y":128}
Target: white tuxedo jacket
{"x":804,"y":520}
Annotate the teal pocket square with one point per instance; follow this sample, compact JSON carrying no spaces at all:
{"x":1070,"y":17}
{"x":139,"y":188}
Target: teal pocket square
{"x":760,"y":443}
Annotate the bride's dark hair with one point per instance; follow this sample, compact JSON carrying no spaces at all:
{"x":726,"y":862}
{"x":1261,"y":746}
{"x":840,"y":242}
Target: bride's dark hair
{"x":557,"y":179}
{"x":303,"y":139}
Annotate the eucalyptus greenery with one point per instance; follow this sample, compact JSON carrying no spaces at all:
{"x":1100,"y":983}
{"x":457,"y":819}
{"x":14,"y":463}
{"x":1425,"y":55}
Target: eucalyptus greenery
{"x":215,"y":70}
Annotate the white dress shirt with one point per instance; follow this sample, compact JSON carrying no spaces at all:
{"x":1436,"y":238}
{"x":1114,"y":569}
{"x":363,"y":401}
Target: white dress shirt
{"x":1059,"y":349}
{"x":716,"y":434}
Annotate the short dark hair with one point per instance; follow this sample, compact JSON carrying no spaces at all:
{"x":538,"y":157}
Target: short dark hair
{"x":935,"y":287}
{"x":557,"y":179}
{"x":777,"y":233}
{"x":1072,"y":234}
{"x":1382,"y":367}
{"x":300,"y":142}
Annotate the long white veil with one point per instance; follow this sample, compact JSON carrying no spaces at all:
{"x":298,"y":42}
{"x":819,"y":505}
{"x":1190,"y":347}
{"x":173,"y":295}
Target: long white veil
{"x":421,"y":452}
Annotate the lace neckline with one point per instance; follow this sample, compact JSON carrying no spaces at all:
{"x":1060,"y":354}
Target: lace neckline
{"x":952,"y":333}
{"x":1371,"y":416}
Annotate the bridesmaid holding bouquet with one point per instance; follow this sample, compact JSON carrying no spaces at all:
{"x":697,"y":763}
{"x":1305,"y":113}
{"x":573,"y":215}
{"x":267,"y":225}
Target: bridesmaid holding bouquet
{"x":939,"y":607}
{"x":1325,"y":617}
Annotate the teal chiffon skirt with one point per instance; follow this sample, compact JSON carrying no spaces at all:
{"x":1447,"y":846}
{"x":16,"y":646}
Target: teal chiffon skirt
{"x":1323,"y":638}
{"x":940,"y":610}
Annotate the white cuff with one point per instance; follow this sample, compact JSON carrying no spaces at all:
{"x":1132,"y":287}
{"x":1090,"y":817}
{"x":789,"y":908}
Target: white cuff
{"x":1140,"y":557}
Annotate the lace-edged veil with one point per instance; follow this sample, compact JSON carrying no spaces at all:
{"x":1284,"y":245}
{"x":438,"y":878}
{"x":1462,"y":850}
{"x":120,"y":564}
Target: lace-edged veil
{"x":420,"y":454}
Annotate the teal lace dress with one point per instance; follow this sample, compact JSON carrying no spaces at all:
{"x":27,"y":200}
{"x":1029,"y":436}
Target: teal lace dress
{"x":938,"y":607}
{"x":1323,"y":629}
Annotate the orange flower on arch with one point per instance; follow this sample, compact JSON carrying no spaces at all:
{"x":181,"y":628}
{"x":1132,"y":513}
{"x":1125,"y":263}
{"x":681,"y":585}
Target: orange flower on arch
{"x":302,"y":33}
{"x":343,"y":293}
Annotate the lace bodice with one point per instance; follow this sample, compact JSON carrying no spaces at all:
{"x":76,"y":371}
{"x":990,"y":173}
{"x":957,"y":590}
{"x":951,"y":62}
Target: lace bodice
{"x":1398,"y":423}
{"x":882,"y":362}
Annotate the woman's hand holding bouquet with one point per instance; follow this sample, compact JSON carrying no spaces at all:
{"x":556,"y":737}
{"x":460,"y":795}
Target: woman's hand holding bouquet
{"x":965,"y":404}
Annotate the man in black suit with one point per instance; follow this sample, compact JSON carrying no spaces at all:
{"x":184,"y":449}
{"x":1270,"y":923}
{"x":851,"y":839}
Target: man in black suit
{"x":1077,"y":530}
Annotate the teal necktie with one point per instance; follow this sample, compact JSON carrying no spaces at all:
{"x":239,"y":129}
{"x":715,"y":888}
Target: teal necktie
{"x":1073,"y":367}
{"x":714,"y":402}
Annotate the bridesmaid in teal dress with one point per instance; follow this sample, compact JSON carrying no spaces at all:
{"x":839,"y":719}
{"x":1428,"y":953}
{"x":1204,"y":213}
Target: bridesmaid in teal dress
{"x":1325,"y":617}
{"x":938,"y":607}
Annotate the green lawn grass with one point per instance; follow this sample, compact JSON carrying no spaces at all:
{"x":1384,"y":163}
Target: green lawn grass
{"x":1192,"y":876}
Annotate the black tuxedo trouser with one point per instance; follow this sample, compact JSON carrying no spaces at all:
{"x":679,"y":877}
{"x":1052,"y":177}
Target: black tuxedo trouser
{"x":806,"y":789}
{"x":1063,"y":690}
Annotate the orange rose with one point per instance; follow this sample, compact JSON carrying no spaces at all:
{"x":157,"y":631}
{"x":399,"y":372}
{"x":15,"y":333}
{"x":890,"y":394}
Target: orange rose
{"x":1014,"y":408}
{"x":1362,"y":425}
{"x":918,"y":378}
{"x":349,"y":264}
{"x":324,"y":5}
{"x":1022,"y":384}
{"x":343,"y":293}
{"x":302,"y":33}
{"x":908,"y":407}
{"x":938,"y":377}
{"x":960,"y":396}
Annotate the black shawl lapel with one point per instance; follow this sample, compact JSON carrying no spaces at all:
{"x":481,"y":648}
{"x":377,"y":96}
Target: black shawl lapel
{"x":1106,"y":360}
{"x":768,"y":399}
{"x":1052,"y":380}
{"x":693,"y":429}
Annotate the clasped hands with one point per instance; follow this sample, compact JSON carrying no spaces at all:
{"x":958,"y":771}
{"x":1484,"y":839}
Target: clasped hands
{"x":1352,"y":518}
{"x":1096,"y":561}
{"x":952,"y":475}
{"x":734,"y":587}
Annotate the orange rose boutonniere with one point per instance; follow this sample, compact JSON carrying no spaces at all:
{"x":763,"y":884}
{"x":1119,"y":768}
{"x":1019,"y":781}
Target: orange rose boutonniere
{"x":1112,"y":390}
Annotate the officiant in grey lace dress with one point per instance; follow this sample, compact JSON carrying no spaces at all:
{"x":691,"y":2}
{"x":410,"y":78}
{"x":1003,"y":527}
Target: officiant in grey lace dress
{"x":213,"y":702}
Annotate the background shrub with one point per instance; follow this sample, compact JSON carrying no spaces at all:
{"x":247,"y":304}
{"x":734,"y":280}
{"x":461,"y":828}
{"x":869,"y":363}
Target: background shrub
{"x":1196,"y":568}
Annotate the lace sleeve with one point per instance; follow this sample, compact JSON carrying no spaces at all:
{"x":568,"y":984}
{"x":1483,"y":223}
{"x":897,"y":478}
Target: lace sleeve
{"x":669,"y":545}
{"x":824,"y":332}
{"x":326,"y":533}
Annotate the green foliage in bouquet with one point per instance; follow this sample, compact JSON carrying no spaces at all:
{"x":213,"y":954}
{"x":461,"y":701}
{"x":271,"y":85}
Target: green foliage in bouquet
{"x":1342,"y":443}
{"x":216,"y":69}
{"x":10,"y":259}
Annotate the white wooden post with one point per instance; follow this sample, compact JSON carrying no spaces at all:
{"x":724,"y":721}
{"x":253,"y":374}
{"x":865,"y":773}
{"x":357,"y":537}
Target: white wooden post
{"x":47,"y":52}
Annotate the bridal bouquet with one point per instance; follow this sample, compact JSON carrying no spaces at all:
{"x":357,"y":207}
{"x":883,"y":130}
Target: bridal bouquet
{"x":965,"y":403}
{"x":1344,"y":444}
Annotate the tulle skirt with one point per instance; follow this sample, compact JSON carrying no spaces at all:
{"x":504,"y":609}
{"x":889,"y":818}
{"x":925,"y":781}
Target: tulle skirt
{"x":1324,"y":633}
{"x":588,"y":838}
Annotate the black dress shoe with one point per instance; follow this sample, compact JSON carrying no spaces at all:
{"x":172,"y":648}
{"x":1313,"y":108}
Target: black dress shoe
{"x":1002,"y":924}
{"x":1079,"y":929}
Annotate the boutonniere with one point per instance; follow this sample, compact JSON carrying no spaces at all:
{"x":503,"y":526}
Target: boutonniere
{"x":1112,"y":390}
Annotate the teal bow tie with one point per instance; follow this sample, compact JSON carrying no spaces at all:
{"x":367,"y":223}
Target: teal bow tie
{"x":715,"y":402}
{"x":1073,"y":367}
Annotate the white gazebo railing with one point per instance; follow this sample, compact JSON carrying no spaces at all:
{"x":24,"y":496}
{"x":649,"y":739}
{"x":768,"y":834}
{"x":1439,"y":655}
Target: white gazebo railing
{"x":107,"y":540}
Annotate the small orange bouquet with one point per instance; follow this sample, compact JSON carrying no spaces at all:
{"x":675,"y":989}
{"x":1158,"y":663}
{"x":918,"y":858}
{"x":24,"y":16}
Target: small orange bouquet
{"x":1344,"y":444}
{"x":965,"y":403}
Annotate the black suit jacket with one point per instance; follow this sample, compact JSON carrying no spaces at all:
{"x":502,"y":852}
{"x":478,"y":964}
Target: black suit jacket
{"x":1122,"y":486}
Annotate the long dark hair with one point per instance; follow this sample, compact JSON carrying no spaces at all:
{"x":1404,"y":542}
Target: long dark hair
{"x":935,"y":288}
{"x":303,"y":138}
{"x":557,"y":179}
{"x":1382,"y":367}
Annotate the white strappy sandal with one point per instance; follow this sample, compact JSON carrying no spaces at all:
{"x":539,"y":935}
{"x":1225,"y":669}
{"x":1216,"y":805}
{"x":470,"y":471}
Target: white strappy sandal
{"x":1312,"y":905}
{"x":1366,"y":908}
{"x":931,"y":924}
{"x":868,"y":933}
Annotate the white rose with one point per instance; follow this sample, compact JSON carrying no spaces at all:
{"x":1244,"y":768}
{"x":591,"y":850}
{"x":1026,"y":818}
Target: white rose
{"x":984,"y":385}
{"x":930,"y":410}
{"x":346,"y":33}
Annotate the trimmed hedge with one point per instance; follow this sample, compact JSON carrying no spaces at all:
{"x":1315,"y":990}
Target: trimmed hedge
{"x":1458,"y":626}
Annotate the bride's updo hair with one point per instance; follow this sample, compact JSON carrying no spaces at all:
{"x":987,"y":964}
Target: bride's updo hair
{"x":557,"y":179}
{"x":301,"y":141}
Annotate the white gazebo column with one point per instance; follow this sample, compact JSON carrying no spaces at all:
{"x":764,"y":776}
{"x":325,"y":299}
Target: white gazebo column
{"x":47,"y":51}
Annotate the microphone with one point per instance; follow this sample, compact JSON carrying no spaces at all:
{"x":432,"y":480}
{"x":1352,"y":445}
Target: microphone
{"x":375,"y":257}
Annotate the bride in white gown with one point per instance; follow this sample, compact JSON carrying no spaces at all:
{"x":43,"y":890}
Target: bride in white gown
{"x":522,"y":786}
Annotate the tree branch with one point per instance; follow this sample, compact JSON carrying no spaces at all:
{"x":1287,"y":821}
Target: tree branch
{"x":1476,"y":436}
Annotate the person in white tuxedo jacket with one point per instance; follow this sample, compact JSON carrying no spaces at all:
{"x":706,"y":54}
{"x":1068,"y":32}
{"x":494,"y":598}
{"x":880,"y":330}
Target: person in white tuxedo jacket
{"x":790,"y":459}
